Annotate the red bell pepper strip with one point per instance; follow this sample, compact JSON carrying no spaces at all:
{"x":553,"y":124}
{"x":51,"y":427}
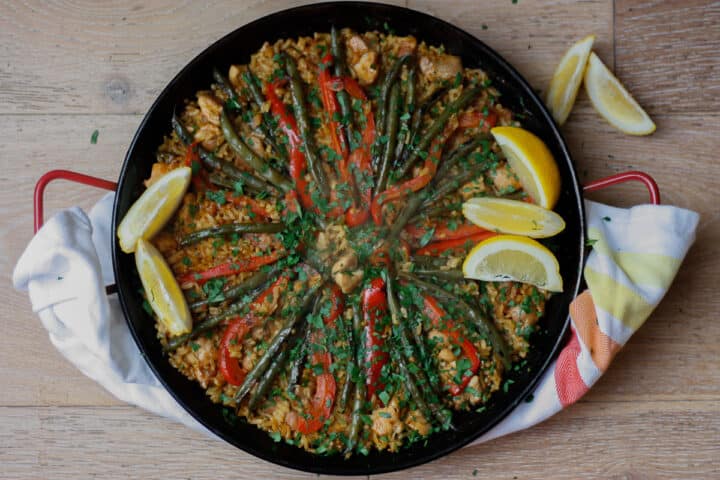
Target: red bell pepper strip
{"x":320,"y":408}
{"x":298,"y":162}
{"x":443,"y":232}
{"x":362,"y":160}
{"x":441,"y":321}
{"x":476,"y":119}
{"x":229,"y":366}
{"x":199,"y":178}
{"x":325,"y":384}
{"x":374,"y":309}
{"x":353,"y":88}
{"x":399,"y":191}
{"x":456,"y":245}
{"x":230,"y":268}
{"x":330,"y":103}
{"x":237,"y":329}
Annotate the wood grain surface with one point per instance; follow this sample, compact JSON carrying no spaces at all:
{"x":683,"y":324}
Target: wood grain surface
{"x":68,"y":68}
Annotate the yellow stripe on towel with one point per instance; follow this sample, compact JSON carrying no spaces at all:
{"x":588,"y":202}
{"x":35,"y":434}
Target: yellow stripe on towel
{"x":618,"y":300}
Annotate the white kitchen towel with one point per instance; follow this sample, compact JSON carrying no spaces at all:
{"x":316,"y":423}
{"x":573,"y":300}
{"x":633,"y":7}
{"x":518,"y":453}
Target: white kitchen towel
{"x":636,"y":255}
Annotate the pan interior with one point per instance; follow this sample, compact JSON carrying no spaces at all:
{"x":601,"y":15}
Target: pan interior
{"x":237,"y":47}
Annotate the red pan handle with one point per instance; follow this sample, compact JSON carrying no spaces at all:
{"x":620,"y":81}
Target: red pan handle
{"x":646,"y":179}
{"x":643,"y":177}
{"x":64,"y":175}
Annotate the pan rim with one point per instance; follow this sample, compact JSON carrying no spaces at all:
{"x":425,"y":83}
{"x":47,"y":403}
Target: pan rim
{"x":270,"y":456}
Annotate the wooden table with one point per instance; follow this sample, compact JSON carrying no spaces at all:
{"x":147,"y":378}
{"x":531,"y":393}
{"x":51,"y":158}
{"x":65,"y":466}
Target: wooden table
{"x":69,"y":68}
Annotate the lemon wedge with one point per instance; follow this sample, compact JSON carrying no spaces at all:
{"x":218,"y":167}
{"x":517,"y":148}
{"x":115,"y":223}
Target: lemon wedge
{"x":153,"y":209}
{"x":566,"y":80}
{"x":613,"y":102}
{"x":511,"y":257}
{"x":163,"y":291}
{"x":532,"y":162}
{"x":512,"y":216}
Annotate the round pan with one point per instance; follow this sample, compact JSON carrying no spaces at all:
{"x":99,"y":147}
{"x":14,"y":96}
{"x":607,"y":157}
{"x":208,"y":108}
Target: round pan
{"x":237,"y":47}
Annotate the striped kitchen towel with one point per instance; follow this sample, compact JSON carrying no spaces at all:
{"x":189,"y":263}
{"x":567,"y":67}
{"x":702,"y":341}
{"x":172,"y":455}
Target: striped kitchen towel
{"x":635,"y":255}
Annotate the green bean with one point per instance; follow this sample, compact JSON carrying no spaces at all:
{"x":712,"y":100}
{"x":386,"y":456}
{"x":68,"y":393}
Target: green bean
{"x":342,"y":96}
{"x":410,"y":107}
{"x":231,"y":228}
{"x":223,"y":181}
{"x":232,"y":293}
{"x":382,"y":100}
{"x":390,"y":145}
{"x":437,"y":126}
{"x":484,"y":325}
{"x":346,"y":333}
{"x":225,"y":86}
{"x":414,"y":201}
{"x":416,"y":120}
{"x":296,"y":367}
{"x":454,"y":275}
{"x":252,"y":158}
{"x":264,"y":362}
{"x":356,"y":423}
{"x":402,"y":333}
{"x":303,"y":121}
{"x":214,"y":163}
{"x":458,"y":154}
{"x":267,"y":124}
{"x":428,"y":261}
{"x":210,"y":322}
{"x":436,"y":211}
{"x":267,"y":378}
{"x":410,"y":385}
{"x":453,"y":182}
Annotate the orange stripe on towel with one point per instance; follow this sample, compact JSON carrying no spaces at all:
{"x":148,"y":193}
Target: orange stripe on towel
{"x":602,"y":348}
{"x":568,"y":382}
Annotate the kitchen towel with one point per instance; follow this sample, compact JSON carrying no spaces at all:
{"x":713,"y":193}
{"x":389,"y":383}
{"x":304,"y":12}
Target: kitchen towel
{"x":635,"y":256}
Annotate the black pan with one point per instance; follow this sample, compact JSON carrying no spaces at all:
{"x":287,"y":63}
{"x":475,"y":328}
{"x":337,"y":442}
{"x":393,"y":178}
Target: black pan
{"x":236,"y":47}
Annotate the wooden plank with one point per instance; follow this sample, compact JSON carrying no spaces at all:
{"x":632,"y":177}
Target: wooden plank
{"x":659,"y":440}
{"x":113,"y":57}
{"x":532,"y":36}
{"x":667,"y":53}
{"x":653,"y":440}
{"x":120,"y":442}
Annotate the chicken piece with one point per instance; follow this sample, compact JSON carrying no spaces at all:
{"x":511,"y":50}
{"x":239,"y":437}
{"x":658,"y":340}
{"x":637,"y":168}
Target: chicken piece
{"x":209,"y":136}
{"x":446,"y":355}
{"x":385,"y":420}
{"x":473,"y":188}
{"x":365,"y":68}
{"x":210,"y":107}
{"x":439,"y":66}
{"x":416,"y":421}
{"x":405,"y":45}
{"x":504,"y":180}
{"x":346,"y":273}
{"x":158,"y":170}
{"x":235,"y":76}
{"x":361,"y":60}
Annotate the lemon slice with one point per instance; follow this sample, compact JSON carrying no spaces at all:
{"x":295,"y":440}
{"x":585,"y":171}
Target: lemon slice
{"x":153,"y":209}
{"x":566,"y":80}
{"x":532,"y":162}
{"x":513,"y":216}
{"x":613,"y":102}
{"x":510,"y":257}
{"x":162,"y":290}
